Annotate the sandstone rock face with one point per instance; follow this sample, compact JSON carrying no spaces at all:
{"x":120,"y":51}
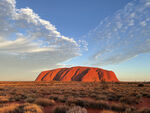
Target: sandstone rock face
{"x":85,"y":74}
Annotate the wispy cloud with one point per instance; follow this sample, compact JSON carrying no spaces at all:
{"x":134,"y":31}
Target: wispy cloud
{"x":122,"y":36}
{"x":28,"y":42}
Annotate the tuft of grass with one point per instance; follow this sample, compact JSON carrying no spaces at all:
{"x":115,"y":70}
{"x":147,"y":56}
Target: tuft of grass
{"x":32,"y":108}
{"x":30,"y":100}
{"x":76,"y":109}
{"x":44,"y":102}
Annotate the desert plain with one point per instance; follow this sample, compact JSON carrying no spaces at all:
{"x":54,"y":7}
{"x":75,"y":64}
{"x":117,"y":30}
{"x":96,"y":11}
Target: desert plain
{"x":74,"y":97}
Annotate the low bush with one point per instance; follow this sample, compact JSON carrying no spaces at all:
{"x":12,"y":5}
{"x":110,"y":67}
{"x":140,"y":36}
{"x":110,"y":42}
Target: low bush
{"x":61,"y":99}
{"x":129,"y":100}
{"x":30,"y":100}
{"x":81,"y":102}
{"x":140,"y":85}
{"x":101,"y":97}
{"x":54,"y":97}
{"x":118,"y":107}
{"x":60,"y":109}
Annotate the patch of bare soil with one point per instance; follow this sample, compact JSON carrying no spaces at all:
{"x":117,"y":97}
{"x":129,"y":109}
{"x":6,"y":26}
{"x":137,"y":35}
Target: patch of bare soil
{"x":144,"y":103}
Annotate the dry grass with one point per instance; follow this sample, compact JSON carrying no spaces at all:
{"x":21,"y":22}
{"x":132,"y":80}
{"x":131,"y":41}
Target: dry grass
{"x":69,"y":109}
{"x":76,"y":109}
{"x":32,"y":108}
{"x":24,"y":108}
{"x":9,"y":108}
{"x":116,"y":97}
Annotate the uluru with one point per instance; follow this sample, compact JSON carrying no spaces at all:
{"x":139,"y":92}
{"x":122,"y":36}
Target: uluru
{"x":79,"y":73}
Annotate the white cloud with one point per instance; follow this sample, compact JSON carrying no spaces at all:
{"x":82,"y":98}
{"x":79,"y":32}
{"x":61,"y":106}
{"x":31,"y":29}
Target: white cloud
{"x":119,"y":25}
{"x":131,"y":23}
{"x":147,"y":3}
{"x":143,"y":23}
{"x":28,"y":42}
{"x":126,"y":36}
{"x":132,"y":15}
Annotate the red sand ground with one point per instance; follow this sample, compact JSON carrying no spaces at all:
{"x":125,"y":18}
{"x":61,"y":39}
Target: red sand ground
{"x":85,"y":74}
{"x":145,"y":103}
{"x":49,"y":109}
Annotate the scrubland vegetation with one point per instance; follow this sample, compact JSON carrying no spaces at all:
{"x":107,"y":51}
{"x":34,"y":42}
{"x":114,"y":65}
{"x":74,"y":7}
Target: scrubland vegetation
{"x":74,"y":97}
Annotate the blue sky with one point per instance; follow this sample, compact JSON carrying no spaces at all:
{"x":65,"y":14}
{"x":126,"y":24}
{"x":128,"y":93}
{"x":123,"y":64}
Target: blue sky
{"x":37,"y":35}
{"x":73,"y":18}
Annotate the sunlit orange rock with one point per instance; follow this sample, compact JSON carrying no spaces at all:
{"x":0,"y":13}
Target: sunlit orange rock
{"x":85,"y":74}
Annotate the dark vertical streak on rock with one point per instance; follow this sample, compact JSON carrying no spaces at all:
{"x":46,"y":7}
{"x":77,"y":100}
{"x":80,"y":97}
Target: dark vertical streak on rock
{"x":45,"y":76}
{"x":65,"y":73}
{"x":58,"y":75}
{"x":81,"y":75}
{"x":100,"y":74}
{"x":75,"y":74}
